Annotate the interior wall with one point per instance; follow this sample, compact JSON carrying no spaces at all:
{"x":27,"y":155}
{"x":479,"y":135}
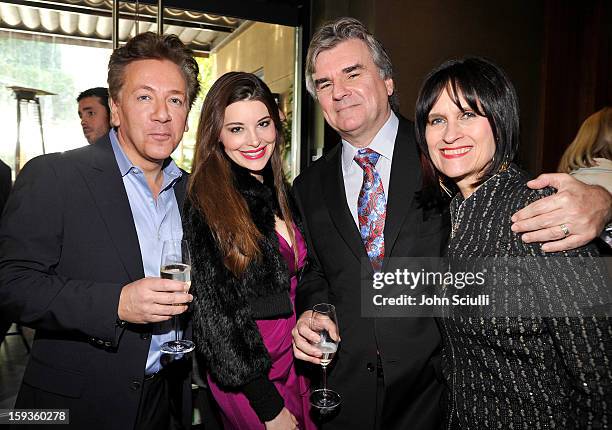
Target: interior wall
{"x":424,"y":34}
{"x":577,"y":73}
{"x":260,"y":47}
{"x":421,"y":35}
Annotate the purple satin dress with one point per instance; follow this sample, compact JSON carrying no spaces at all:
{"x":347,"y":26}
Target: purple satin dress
{"x":236,"y":412}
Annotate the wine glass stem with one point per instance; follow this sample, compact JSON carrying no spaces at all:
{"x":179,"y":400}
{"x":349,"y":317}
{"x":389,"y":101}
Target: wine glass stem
{"x":176,"y":328}
{"x":324,"y":378}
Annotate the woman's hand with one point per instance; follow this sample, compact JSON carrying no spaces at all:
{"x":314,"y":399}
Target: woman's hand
{"x":283,"y":421}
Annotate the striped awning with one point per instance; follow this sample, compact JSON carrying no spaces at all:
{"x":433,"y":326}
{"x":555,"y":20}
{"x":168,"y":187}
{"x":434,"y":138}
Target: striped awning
{"x":90,"y":22}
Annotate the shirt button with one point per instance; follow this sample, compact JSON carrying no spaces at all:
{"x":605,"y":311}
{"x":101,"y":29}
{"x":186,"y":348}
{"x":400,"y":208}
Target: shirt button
{"x":370,"y":367}
{"x":145,"y":336}
{"x":135,"y":385}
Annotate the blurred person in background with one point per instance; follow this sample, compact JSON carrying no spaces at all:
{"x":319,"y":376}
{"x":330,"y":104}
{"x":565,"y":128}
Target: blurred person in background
{"x":6,"y":182}
{"x":94,"y":113}
{"x":589,"y":156}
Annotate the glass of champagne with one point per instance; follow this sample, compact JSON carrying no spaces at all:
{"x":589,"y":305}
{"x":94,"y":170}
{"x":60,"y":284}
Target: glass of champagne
{"x":324,"y":399}
{"x":176,"y":265}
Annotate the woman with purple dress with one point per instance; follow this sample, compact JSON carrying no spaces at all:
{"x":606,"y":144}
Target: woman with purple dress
{"x":246,"y":252}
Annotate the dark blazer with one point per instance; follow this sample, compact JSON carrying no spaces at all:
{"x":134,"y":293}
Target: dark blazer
{"x":408,"y":347}
{"x":5,"y":184}
{"x":68,"y":244}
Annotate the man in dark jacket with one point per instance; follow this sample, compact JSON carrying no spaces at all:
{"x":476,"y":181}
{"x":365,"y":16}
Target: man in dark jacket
{"x":385,"y":367}
{"x":80,"y":248}
{"x":6,"y":182}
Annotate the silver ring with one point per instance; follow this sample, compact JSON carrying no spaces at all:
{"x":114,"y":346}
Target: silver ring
{"x":565,"y":230}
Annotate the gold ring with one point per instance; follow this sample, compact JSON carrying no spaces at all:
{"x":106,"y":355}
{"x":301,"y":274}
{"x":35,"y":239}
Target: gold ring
{"x":565,"y":230}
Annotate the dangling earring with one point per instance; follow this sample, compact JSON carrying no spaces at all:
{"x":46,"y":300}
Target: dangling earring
{"x":444,"y":187}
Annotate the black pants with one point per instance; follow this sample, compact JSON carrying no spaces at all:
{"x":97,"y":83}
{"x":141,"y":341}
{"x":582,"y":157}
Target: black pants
{"x":380,"y":394}
{"x":160,"y":403}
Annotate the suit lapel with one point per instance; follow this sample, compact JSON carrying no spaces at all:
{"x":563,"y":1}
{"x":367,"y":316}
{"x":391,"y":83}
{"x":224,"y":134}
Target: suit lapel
{"x":107,"y":189}
{"x":403,"y":183}
{"x":335,"y":201}
{"x":180,"y":189}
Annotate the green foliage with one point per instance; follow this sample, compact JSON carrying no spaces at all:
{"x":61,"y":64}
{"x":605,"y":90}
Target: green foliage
{"x":36,"y":64}
{"x":185,"y":158}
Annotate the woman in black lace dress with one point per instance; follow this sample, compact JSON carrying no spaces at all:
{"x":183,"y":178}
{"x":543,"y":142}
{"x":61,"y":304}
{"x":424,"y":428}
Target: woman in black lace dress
{"x":540,"y":357}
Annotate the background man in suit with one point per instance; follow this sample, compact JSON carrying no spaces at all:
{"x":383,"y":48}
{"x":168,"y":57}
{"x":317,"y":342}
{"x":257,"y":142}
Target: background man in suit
{"x":80,"y":253}
{"x":6,"y":182}
{"x":385,"y":367}
{"x":94,"y":113}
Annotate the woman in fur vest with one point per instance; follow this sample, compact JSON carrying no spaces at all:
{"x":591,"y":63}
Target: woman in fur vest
{"x":246,"y":252}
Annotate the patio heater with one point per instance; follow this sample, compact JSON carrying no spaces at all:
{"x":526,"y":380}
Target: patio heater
{"x":28,"y":112}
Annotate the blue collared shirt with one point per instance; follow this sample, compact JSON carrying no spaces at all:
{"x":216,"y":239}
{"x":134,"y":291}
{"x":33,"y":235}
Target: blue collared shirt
{"x":155,"y":222}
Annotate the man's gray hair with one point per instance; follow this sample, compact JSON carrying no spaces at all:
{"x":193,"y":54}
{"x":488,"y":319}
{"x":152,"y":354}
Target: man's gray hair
{"x":340,"y":30}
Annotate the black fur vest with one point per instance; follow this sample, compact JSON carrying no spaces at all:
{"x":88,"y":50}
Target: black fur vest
{"x":224,"y":307}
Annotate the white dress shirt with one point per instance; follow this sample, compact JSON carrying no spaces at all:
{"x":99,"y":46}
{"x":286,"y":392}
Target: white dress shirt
{"x":383,"y":143}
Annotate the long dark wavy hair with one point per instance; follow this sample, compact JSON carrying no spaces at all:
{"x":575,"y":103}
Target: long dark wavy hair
{"x":212,"y":188}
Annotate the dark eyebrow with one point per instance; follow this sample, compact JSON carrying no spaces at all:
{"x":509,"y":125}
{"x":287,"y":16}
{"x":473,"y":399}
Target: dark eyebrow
{"x":352,"y":68}
{"x":346,"y":71}
{"x":320,"y":81}
{"x":240,"y":123}
{"x":148,"y":88}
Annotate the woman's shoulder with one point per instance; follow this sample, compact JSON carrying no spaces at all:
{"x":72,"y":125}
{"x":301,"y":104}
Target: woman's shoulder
{"x":516,"y":191}
{"x":522,"y":196}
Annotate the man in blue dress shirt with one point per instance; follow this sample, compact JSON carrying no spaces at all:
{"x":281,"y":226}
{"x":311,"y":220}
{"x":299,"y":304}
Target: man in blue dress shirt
{"x":80,"y":248}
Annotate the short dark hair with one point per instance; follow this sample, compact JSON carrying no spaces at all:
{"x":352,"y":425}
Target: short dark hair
{"x":341,"y":30}
{"x":488,"y":92}
{"x":151,"y":46}
{"x":100,"y":92}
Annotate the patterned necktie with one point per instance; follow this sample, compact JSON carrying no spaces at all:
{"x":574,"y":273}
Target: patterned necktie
{"x":371,"y":208}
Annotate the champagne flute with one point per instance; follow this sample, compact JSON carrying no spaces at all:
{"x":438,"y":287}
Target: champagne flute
{"x":324,"y":399}
{"x":176,"y":265}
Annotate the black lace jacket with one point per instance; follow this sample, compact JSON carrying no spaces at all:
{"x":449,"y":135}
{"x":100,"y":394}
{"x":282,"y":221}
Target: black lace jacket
{"x":530,"y":367}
